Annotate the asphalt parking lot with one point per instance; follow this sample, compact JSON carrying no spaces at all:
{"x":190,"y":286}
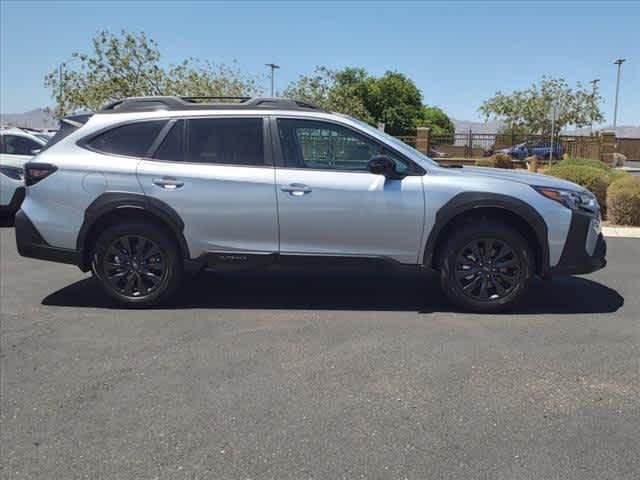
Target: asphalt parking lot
{"x":334,"y":375}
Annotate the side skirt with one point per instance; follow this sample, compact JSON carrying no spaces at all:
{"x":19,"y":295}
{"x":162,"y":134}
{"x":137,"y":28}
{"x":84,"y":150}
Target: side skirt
{"x":231,"y":261}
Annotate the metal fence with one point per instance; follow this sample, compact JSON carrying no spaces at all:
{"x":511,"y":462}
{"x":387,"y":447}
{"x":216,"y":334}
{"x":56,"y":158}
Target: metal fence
{"x":408,"y":139}
{"x":469,"y":145}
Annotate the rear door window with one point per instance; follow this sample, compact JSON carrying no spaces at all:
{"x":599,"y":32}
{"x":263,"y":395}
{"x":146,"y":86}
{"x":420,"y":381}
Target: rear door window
{"x":134,"y":139}
{"x":226,"y":141}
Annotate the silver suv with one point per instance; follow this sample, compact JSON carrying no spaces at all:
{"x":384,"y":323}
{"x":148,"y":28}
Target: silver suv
{"x":149,"y":189}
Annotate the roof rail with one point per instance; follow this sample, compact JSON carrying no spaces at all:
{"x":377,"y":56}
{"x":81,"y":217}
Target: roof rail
{"x":147,"y":104}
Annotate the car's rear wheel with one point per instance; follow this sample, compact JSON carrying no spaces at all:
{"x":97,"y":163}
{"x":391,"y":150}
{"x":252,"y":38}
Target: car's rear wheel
{"x":485,"y":267}
{"x":137,"y":264}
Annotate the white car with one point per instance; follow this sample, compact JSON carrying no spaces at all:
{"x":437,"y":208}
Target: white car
{"x":152,"y":187}
{"x":16,"y":148}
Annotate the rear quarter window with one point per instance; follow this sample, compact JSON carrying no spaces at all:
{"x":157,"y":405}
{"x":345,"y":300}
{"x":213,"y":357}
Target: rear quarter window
{"x":134,"y":139}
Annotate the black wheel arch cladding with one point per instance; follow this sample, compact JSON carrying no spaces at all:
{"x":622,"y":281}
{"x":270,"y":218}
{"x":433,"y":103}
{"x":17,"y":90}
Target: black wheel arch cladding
{"x":466,"y":203}
{"x":112,"y":202}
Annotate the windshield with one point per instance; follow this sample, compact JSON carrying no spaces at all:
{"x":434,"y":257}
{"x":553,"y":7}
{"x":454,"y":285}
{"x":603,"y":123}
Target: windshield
{"x":399,"y":144}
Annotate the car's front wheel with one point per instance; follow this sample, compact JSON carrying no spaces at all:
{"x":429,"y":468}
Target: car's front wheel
{"x":485,"y":267}
{"x":137,"y":264}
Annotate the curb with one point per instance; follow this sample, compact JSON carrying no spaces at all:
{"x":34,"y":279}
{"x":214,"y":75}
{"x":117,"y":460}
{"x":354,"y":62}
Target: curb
{"x":621,"y":232}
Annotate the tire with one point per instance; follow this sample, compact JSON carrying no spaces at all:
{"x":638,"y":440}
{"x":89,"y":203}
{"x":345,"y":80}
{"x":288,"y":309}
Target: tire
{"x":486,"y":267}
{"x":137,"y":264}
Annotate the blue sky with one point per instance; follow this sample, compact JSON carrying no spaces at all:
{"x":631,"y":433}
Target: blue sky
{"x":458,"y":53}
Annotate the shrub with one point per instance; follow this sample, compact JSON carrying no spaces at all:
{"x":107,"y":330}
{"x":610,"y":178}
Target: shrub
{"x":587,"y":162}
{"x":501,"y":160}
{"x":623,"y":201}
{"x":484,"y":162}
{"x":593,"y":179}
{"x":532,"y":163}
{"x":617,"y":175}
{"x":612,"y":173}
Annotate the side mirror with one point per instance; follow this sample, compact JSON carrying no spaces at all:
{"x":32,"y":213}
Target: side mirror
{"x":35,"y":151}
{"x":383,"y":165}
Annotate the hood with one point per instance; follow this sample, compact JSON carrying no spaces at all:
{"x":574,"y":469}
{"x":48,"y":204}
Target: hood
{"x":524,"y":177}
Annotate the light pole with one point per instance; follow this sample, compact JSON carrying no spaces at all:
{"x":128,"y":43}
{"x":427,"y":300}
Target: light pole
{"x":594,"y":83}
{"x":61,"y":69}
{"x":619,"y":63}
{"x":273,"y":68}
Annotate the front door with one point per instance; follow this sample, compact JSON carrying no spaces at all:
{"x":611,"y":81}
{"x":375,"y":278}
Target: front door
{"x":330,"y":204}
{"x":213,"y":173}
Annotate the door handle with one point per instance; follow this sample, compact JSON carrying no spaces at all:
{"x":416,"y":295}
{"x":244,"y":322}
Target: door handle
{"x":168,"y":183}
{"x":296,"y":189}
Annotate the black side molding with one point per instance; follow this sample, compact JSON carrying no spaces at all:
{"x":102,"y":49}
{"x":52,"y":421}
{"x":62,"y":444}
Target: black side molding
{"x":468,"y":201}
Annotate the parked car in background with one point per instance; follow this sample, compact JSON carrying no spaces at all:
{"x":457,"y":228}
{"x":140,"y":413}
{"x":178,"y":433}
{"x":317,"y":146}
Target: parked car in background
{"x":433,"y":153}
{"x":45,"y":137}
{"x":16,"y":148}
{"x":541,"y":148}
{"x":150,"y":188}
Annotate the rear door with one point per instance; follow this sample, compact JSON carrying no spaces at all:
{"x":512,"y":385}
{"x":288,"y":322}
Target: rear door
{"x":214,"y":173}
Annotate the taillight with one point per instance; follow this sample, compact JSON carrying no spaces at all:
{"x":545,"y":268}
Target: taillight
{"x":34,"y":172}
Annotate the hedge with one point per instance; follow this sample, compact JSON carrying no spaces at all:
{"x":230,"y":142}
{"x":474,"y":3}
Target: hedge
{"x":623,"y":201}
{"x":587,"y":162}
{"x":593,"y":163}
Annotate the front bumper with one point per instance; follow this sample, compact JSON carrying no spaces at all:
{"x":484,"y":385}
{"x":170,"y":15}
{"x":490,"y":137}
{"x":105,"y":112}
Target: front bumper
{"x":585,"y":248}
{"x":31,"y":244}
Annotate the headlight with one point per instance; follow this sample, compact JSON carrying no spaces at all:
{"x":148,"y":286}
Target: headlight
{"x":16,"y":173}
{"x":570,"y":198}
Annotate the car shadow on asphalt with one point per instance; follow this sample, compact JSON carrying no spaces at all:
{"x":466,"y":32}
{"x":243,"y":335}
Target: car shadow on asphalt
{"x":340,"y":290}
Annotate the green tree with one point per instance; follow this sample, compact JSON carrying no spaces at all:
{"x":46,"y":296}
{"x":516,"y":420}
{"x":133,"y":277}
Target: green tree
{"x":340,"y":91}
{"x":436,"y":120}
{"x":528,"y":110}
{"x":128,"y":64}
{"x":392,"y":99}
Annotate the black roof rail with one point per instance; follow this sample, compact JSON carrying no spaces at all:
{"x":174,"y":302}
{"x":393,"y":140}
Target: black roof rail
{"x":192,"y":99}
{"x":170,"y":103}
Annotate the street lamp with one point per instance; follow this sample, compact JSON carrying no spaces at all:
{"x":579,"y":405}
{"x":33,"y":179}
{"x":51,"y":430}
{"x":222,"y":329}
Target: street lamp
{"x":273,"y":68}
{"x":61,"y":69}
{"x":619,"y":63}
{"x":594,"y":83}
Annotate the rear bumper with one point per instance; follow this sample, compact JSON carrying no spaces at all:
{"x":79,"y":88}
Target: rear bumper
{"x":585,"y":249}
{"x":15,"y":202}
{"x":31,"y":244}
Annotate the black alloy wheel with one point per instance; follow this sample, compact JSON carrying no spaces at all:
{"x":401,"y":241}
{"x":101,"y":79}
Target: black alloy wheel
{"x":485,"y":266}
{"x":487,"y":269}
{"x":134,"y":266}
{"x":138,"y":263}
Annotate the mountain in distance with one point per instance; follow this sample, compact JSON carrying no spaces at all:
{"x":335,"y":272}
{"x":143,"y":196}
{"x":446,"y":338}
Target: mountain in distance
{"x":622,"y":131}
{"x":494,"y":126}
{"x":463,"y":126}
{"x":38,"y":119}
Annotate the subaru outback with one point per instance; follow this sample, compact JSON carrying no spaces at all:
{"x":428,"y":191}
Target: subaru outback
{"x":151,"y":189}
